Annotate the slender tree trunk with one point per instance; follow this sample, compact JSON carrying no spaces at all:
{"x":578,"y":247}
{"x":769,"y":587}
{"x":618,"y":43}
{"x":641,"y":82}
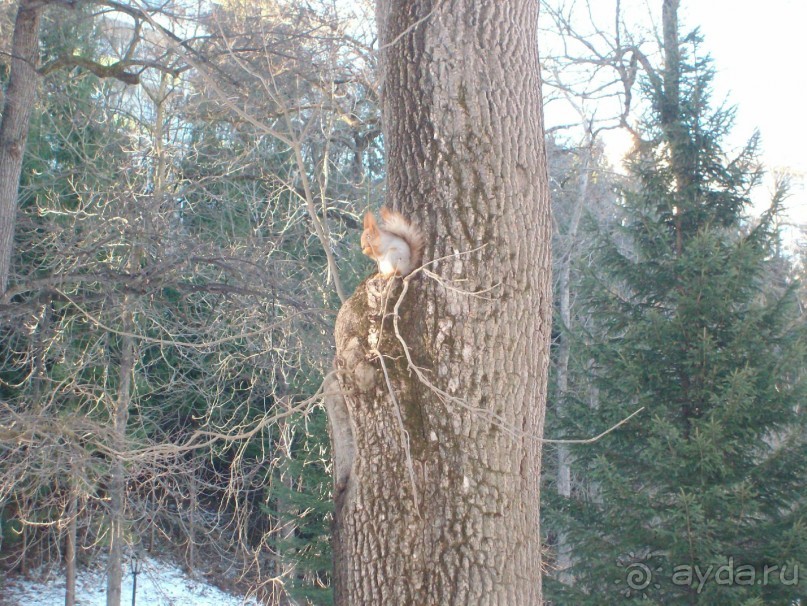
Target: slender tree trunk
{"x":20,"y":98}
{"x":683,"y":160}
{"x":671,"y":113}
{"x":70,"y":547}
{"x":117,"y":488}
{"x":440,"y":505}
{"x":190,"y":561}
{"x":564,"y":473}
{"x":152,"y":523}
{"x":24,"y":555}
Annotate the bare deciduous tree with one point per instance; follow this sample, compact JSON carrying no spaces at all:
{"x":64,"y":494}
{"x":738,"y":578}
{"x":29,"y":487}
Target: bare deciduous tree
{"x":179,"y":308}
{"x":19,"y":100}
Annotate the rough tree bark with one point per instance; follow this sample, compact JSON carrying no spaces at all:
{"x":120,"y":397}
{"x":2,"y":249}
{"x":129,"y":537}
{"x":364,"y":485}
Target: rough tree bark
{"x":19,"y":99}
{"x":439,"y":504}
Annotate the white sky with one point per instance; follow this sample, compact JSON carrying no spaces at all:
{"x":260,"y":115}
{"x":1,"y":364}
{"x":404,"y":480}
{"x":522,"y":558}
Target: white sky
{"x":759,"y":50}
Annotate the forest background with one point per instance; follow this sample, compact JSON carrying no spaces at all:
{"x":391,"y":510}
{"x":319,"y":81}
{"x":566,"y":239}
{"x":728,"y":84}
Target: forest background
{"x":187,"y":228}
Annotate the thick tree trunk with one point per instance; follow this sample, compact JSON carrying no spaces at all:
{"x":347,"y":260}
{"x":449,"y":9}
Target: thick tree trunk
{"x":440,"y":504}
{"x":20,"y":98}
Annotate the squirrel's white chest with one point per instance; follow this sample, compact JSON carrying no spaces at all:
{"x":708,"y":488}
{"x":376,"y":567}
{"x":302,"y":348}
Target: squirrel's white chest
{"x":396,"y":258}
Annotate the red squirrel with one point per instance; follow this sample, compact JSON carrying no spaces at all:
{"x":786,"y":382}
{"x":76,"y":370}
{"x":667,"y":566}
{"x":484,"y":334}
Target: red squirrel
{"x":395,"y":244}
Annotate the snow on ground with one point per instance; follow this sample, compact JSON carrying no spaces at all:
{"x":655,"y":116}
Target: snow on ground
{"x":158,"y":584}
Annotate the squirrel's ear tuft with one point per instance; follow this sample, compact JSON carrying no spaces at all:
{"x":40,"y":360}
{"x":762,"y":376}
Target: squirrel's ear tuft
{"x":369,"y":220}
{"x":386,"y":213}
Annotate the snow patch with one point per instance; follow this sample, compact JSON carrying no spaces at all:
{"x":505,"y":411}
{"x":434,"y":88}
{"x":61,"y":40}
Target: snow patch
{"x":158,"y":584}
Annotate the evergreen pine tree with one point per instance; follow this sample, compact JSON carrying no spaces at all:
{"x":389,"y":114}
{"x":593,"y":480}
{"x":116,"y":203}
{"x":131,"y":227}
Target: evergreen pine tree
{"x":697,"y":322}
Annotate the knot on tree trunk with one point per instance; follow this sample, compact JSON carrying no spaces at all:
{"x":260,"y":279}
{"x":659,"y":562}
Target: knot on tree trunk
{"x":376,"y":427}
{"x":366,"y":325}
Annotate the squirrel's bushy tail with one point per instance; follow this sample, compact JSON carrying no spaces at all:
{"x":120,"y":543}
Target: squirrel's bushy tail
{"x":396,"y":223}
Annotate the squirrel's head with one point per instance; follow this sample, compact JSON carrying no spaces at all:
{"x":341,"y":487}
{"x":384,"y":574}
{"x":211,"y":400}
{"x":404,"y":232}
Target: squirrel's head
{"x":370,"y":235}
